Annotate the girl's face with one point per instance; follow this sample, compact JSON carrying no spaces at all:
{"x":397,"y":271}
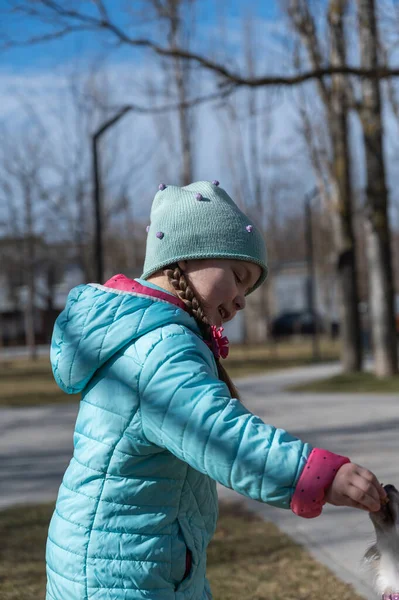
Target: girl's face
{"x":220,"y":285}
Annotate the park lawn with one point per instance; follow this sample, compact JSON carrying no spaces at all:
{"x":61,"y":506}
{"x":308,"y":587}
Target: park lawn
{"x":245,"y":360}
{"x":351,"y":383}
{"x":31,"y":383}
{"x":248,"y":559}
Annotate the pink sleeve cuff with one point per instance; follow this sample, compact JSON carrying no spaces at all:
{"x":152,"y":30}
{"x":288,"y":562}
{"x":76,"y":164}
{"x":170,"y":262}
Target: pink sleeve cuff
{"x":317,"y":475}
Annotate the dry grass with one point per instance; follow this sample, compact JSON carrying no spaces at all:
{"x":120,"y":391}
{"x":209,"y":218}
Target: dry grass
{"x":29,"y":383}
{"x":251,"y":559}
{"x":23,"y":533}
{"x":248,"y":360}
{"x":351,"y":383}
{"x":248,"y":559}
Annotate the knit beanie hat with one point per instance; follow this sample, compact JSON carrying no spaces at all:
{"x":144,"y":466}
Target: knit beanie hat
{"x":198,"y":221}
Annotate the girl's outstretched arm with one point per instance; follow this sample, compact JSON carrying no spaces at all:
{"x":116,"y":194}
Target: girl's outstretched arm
{"x":186,"y":409}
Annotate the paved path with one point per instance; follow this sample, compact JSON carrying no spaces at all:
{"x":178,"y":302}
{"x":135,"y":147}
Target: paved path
{"x":363,"y":427}
{"x":35,"y":447}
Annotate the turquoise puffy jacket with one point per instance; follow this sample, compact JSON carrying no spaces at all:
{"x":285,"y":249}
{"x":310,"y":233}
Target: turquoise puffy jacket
{"x":156,"y":429}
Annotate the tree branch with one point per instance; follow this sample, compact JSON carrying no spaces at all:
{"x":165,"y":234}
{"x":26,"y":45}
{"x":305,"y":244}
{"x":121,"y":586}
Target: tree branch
{"x":71,"y":21}
{"x":303,"y":23}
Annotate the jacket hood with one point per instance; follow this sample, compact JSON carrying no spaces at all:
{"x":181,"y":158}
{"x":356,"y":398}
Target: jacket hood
{"x":96,"y":323}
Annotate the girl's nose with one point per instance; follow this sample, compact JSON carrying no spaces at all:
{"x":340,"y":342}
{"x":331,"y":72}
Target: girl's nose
{"x":239,"y":302}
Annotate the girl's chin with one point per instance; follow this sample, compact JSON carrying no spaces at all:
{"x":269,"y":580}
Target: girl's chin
{"x":215,"y":319}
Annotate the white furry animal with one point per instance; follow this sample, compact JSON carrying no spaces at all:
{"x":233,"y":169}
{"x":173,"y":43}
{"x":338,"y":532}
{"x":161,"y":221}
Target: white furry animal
{"x":382,"y":558}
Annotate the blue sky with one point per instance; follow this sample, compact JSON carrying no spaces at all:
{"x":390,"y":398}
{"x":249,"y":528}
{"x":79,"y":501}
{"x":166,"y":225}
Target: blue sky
{"x":56,"y":52}
{"x":37,"y":72}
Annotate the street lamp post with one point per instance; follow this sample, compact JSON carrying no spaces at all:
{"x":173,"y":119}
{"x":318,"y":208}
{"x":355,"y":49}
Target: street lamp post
{"x":311,"y":288}
{"x":97,"y":192}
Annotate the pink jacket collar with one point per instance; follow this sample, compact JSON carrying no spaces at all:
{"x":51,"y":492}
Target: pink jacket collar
{"x":219,"y":344}
{"x":122,"y":283}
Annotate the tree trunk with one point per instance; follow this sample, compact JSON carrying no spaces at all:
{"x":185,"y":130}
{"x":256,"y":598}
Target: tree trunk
{"x":30,"y":338}
{"x":339,"y":174}
{"x":337,"y":109}
{"x":381,"y":287}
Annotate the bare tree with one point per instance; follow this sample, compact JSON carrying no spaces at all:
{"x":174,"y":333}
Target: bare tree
{"x":377,"y":219}
{"x":63,"y":18}
{"x":23,"y":161}
{"x":177,"y":19}
{"x":334,"y":99}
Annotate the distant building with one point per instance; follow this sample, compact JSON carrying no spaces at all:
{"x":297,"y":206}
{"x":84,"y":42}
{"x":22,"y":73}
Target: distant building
{"x":286,"y":291}
{"x":57,"y":272}
{"x":289,"y":290}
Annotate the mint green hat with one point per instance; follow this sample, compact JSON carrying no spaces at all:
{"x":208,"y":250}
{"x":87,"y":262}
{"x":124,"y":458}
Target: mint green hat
{"x":198,"y":221}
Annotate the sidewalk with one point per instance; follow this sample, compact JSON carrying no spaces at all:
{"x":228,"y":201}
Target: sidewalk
{"x":36,"y":445}
{"x":363,"y":427}
{"x":11,"y":352}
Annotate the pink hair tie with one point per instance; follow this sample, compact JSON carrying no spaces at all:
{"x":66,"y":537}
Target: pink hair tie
{"x":219,"y":343}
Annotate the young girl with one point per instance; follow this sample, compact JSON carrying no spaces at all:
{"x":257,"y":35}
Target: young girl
{"x":160,"y":421}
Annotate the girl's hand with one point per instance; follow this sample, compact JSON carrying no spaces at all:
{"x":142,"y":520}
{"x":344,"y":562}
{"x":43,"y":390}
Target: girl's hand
{"x":355,"y":486}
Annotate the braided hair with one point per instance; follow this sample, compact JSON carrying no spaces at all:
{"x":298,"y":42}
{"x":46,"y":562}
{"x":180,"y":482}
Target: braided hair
{"x":186,"y":294}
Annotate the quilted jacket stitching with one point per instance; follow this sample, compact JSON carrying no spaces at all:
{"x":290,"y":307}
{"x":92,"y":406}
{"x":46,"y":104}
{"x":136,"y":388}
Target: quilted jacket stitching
{"x":112,"y":501}
{"x":112,"y":476}
{"x":89,"y":437}
{"x":178,"y":512}
{"x":196,"y":502}
{"x":210,"y":493}
{"x":155,"y":512}
{"x":266,"y":462}
{"x":163,"y":420}
{"x":209,"y":436}
{"x":124,"y":532}
{"x":92,"y":307}
{"x":110,"y":558}
{"x":64,"y":549}
{"x":78,"y":492}
{"x":199,"y":398}
{"x":102,"y":489}
{"x":87,"y":466}
{"x":57,"y":512}
{"x":129,"y":356}
{"x":183,"y":331}
{"x":63,"y":334}
{"x":100,"y":587}
{"x":94,"y":518}
{"x":64,"y":576}
{"x":112,"y":412}
{"x":119,"y":531}
{"x":108,"y":328}
{"x":132,"y":437}
{"x":242,"y":433}
{"x":106,"y":473}
{"x":208,"y":480}
{"x":90,"y":534}
{"x":128,"y":589}
{"x":133,"y":560}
